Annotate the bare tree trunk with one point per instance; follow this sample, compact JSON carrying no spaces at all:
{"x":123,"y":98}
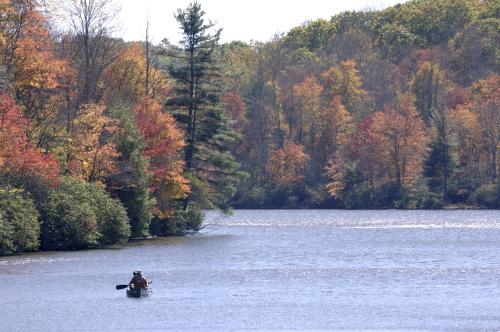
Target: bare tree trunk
{"x":148,"y":58}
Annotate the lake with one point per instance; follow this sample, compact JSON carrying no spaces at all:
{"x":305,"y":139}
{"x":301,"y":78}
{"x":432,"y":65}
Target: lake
{"x":274,"y":270}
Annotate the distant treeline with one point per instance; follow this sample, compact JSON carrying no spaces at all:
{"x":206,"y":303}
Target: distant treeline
{"x":375,"y":109}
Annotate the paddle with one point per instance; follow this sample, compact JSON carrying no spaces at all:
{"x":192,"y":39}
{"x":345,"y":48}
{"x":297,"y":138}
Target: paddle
{"x":125,"y":286}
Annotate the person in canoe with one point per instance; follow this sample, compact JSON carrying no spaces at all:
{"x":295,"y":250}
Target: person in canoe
{"x":138,"y":280}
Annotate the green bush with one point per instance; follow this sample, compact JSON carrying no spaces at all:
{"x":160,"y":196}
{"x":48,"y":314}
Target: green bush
{"x":79,"y":215}
{"x":112,"y":221}
{"x":19,"y":227}
{"x":250,"y":197}
{"x":423,"y":199}
{"x":182,"y":222}
{"x":68,"y":222}
{"x":486,"y":196}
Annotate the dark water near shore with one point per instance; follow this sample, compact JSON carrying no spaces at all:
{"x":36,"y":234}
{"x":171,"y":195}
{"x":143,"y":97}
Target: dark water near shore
{"x":274,"y":270}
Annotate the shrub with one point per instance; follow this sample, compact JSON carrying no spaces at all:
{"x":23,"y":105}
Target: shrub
{"x":487,"y":196}
{"x":79,"y":215}
{"x":250,"y":197}
{"x":19,"y":227}
{"x":180,"y":223}
{"x":423,"y":199}
{"x":68,"y":222}
{"x":112,"y":221}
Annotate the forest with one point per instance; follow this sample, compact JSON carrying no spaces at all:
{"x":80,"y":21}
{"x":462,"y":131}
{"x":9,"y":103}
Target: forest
{"x":103,"y":140}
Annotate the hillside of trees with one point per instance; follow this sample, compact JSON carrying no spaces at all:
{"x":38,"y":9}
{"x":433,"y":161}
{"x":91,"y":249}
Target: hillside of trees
{"x":102,"y":140}
{"x":375,"y":109}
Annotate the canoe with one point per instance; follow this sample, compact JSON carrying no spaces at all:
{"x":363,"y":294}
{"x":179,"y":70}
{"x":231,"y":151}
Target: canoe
{"x":138,"y":292}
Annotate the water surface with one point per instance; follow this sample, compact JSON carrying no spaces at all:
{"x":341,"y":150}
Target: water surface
{"x":274,"y":270}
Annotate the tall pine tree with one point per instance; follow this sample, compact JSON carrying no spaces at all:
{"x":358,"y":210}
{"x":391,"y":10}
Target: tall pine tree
{"x":440,"y":164}
{"x":196,"y":103}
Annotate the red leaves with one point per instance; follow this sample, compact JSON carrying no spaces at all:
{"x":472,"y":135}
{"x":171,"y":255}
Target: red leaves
{"x":19,"y":156}
{"x":163,"y":139}
{"x":163,"y":147}
{"x":390,"y":145}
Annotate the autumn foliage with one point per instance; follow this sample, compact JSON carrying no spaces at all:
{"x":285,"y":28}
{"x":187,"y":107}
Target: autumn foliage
{"x":91,"y":151}
{"x":398,"y":139}
{"x":287,"y":165}
{"x":125,"y":77}
{"x":163,"y":144}
{"x":18,"y":156}
{"x":397,"y":108}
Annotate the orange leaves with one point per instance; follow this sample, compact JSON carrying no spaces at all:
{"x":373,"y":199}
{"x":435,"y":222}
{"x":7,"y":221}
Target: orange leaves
{"x":334,"y":172}
{"x":336,"y":125}
{"x":91,"y":148}
{"x":36,"y":76}
{"x":36,"y":66}
{"x":126,"y":77}
{"x":18,"y":156}
{"x":163,"y":147}
{"x":308,"y":94}
{"x":287,"y":165}
{"x":487,"y":89}
{"x":389,"y":146}
{"x":398,"y":138}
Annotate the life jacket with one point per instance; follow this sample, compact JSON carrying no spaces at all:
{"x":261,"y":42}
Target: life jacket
{"x":138,"y":282}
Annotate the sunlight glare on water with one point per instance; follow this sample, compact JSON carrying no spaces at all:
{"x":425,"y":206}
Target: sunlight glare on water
{"x":274,"y":270}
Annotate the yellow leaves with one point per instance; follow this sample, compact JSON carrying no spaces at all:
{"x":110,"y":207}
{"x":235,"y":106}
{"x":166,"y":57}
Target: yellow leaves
{"x":307,"y":96}
{"x":91,"y":149}
{"x":429,"y":87}
{"x":465,"y":119}
{"x":485,"y":100}
{"x":334,"y":172}
{"x":468,"y":131}
{"x":487,"y":89}
{"x":343,"y":80}
{"x":126,"y":77}
{"x":7,"y":14}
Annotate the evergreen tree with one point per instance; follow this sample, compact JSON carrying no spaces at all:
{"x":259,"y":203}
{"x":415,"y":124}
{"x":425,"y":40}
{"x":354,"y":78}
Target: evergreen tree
{"x":196,"y":103}
{"x":441,"y":161}
{"x":131,"y":183}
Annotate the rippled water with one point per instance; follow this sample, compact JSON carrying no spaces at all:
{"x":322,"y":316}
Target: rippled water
{"x":274,"y":270}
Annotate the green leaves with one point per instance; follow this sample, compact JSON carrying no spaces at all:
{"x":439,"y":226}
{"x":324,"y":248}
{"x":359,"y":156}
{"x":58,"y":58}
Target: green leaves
{"x":79,"y":215}
{"x":19,"y":227}
{"x":197,"y":103}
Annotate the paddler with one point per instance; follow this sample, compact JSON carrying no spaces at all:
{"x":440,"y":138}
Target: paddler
{"x":138,"y":280}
